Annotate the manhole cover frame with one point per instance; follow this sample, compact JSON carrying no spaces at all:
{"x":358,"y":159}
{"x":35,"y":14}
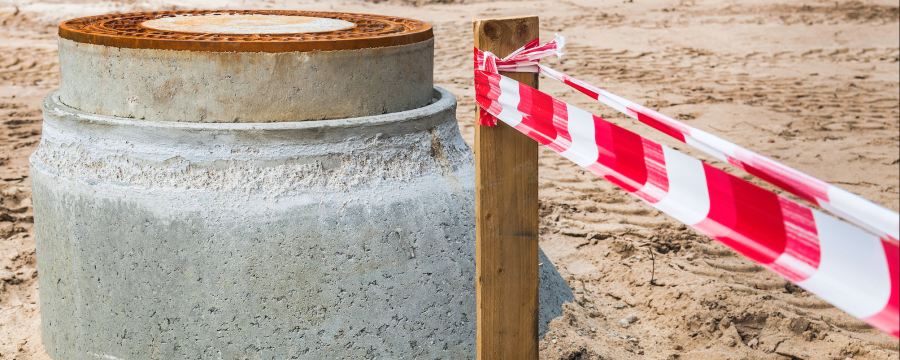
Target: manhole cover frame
{"x":126,"y":31}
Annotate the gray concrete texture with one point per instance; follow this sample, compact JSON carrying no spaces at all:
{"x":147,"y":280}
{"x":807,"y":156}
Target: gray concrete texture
{"x":335,"y":239}
{"x":240,"y":87}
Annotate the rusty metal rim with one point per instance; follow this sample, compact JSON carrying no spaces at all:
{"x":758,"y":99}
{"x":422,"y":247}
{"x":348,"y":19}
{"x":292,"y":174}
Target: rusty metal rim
{"x":92,"y":30}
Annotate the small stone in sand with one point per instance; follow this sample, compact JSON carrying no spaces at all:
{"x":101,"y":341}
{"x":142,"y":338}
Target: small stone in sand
{"x":753,"y":343}
{"x":620,"y":305}
{"x":628,"y":320}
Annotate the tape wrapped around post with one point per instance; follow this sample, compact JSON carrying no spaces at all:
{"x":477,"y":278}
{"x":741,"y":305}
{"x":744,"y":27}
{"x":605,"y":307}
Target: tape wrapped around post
{"x":851,"y":207}
{"x":851,"y":268}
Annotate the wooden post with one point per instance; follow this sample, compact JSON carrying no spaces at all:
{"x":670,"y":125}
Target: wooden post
{"x":506,"y":208}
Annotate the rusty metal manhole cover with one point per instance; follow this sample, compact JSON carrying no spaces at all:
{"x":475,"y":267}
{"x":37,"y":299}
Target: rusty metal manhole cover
{"x":245,"y":30}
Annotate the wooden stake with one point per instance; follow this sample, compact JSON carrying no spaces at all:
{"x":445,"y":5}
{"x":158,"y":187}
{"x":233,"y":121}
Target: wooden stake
{"x":506,"y":208}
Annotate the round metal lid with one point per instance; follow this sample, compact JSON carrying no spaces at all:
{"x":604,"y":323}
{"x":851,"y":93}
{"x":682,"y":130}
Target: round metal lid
{"x":245,"y":30}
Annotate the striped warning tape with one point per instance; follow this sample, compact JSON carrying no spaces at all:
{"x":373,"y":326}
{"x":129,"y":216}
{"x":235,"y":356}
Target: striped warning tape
{"x":844,"y":265}
{"x":840,"y":202}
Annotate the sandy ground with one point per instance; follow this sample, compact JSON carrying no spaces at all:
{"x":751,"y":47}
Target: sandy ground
{"x":812,"y":83}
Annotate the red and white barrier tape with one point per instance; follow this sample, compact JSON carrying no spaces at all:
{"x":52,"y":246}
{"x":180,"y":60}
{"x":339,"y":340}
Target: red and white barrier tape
{"x":844,"y":265}
{"x":840,"y":202}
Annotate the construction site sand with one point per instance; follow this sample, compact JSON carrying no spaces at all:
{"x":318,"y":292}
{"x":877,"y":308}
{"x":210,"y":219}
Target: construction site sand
{"x":813,"y":84}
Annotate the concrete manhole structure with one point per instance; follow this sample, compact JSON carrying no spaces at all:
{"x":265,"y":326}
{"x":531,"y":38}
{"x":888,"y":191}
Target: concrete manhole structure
{"x":255,"y":184}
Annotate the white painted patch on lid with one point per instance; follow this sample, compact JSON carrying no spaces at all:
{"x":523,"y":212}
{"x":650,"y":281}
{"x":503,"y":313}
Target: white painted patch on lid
{"x":247,"y":24}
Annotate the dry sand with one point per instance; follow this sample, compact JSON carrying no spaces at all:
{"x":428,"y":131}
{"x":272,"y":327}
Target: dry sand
{"x":811,"y":83}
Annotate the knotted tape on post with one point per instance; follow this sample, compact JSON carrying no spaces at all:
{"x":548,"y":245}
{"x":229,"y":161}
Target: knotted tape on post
{"x":524,"y":59}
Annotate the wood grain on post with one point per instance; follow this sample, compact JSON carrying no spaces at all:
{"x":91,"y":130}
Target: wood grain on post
{"x":506,"y":208}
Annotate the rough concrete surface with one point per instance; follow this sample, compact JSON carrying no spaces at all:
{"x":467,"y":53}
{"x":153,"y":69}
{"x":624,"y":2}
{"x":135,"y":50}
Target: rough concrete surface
{"x":349,"y":238}
{"x":239,"y":87}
